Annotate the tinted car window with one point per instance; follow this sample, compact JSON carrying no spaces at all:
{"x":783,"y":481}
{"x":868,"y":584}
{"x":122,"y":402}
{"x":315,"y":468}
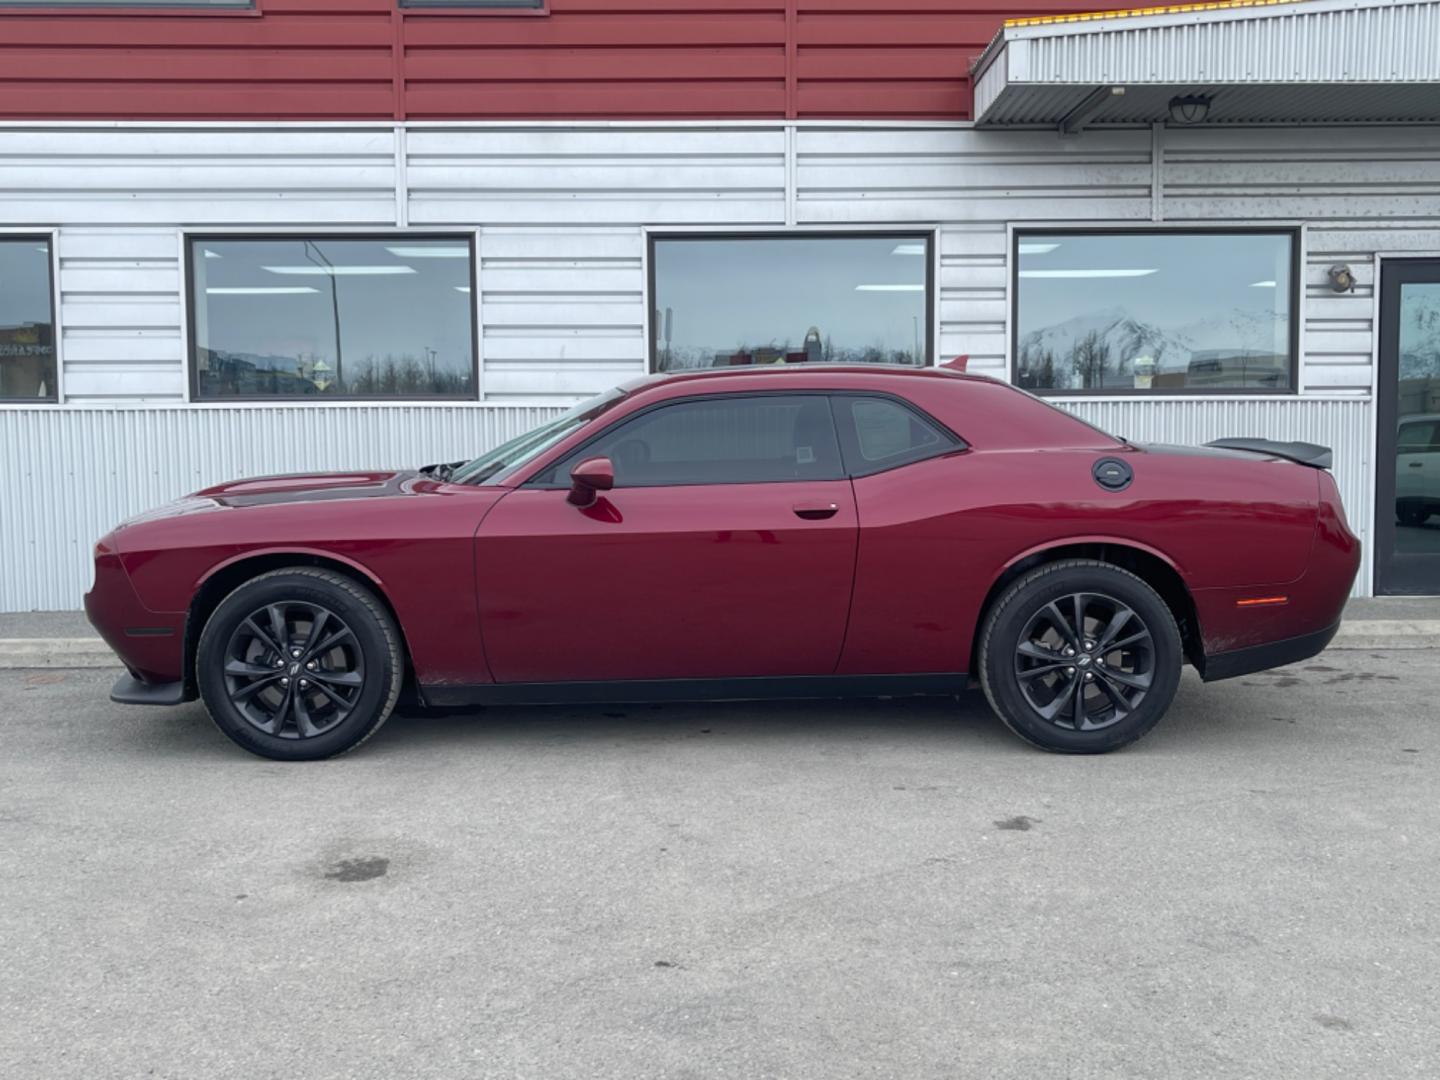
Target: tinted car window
{"x":882,"y":433}
{"x":1417,"y":438}
{"x":730,"y":440}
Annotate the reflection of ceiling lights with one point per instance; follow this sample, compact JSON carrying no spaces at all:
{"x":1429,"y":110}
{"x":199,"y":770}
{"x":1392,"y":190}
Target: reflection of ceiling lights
{"x":259,"y":290}
{"x":889,"y":288}
{"x":462,"y":288}
{"x":1262,"y":284}
{"x":1037,"y":249}
{"x":430,"y":252}
{"x":909,"y":249}
{"x":43,"y":249}
{"x":213,"y":254}
{"x":339,"y":271}
{"x":1086,"y":273}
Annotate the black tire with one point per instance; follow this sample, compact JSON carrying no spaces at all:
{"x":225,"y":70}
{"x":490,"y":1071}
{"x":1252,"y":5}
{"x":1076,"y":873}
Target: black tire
{"x":1130,"y":684}
{"x":1411,"y":514}
{"x":352,"y":674}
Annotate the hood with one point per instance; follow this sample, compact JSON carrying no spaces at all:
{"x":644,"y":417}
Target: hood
{"x":295,"y":488}
{"x":316,"y":487}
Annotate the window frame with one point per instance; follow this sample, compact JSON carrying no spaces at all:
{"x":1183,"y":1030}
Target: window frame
{"x":577,"y":452}
{"x":50,"y":238}
{"x":929,"y":235}
{"x":188,"y":240}
{"x":249,"y":9}
{"x":950,"y":442}
{"x":1294,"y":233}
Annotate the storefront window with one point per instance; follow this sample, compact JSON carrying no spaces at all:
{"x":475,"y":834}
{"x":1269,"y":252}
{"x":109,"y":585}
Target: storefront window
{"x":735,"y":301}
{"x":27,"y":320}
{"x":1155,"y":312}
{"x":334,"y":317}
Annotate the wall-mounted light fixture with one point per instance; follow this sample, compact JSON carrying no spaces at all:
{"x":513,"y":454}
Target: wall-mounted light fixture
{"x":1189,"y":109}
{"x":1341,"y":278}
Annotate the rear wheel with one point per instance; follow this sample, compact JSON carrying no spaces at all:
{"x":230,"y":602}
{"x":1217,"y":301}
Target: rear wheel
{"x":299,"y":664}
{"x":1080,"y":657}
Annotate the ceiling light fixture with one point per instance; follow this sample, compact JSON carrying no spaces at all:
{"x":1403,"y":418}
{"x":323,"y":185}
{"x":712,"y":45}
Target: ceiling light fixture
{"x":1262,"y":284}
{"x":338,"y":271}
{"x":909,"y":249}
{"x":213,"y":254}
{"x":889,"y":288}
{"x":430,"y":252}
{"x":1189,"y":109}
{"x":1037,"y":249}
{"x":1086,"y":273}
{"x":462,"y":288}
{"x":259,"y":290}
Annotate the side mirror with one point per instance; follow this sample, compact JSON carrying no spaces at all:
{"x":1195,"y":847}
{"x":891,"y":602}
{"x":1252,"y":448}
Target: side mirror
{"x":591,"y":476}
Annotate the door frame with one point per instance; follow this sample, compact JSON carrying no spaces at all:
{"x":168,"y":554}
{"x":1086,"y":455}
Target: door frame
{"x":1385,"y":415}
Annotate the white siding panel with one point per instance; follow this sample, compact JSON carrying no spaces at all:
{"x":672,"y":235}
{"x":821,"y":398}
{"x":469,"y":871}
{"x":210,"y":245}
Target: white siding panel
{"x":107,"y":175}
{"x":74,"y":474}
{"x":585,"y":176}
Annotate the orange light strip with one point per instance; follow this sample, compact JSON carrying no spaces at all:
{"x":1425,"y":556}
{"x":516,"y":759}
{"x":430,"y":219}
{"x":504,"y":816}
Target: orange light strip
{"x":1136,"y":13}
{"x":1263,"y":601}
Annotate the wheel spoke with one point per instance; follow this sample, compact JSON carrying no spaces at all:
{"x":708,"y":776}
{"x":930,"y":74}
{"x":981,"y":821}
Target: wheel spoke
{"x":317,"y":626}
{"x":1061,"y":701}
{"x":278,"y":629}
{"x":1043,"y":669}
{"x":1110,"y":690}
{"x":249,"y":690}
{"x":1036,"y":651}
{"x":263,"y":635}
{"x":245,"y":670}
{"x":1062,"y":625}
{"x":1133,"y":639}
{"x":337,"y":678}
{"x":1117,"y":623}
{"x":1077,"y":716}
{"x":329,"y":643}
{"x":331,"y":694}
{"x":304,"y":726}
{"x":1136,"y":680}
{"x":282,"y":711}
{"x":1078,"y":602}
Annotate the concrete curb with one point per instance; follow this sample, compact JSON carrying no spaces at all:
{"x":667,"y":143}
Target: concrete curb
{"x":18,"y":653}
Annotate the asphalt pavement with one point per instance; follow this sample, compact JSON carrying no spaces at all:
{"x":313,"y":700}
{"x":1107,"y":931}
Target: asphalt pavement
{"x":871,"y":889}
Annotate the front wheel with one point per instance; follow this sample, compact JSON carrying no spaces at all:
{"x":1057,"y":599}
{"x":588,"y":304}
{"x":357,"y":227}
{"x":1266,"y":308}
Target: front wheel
{"x":1080,"y":657}
{"x":299,"y":664}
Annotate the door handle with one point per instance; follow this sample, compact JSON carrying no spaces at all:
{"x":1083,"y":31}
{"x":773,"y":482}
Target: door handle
{"x":1417,"y":464}
{"x":815,"y":511}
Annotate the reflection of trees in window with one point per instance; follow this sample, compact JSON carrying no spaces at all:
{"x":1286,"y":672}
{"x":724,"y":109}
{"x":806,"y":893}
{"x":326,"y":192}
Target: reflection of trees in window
{"x":1090,"y":359}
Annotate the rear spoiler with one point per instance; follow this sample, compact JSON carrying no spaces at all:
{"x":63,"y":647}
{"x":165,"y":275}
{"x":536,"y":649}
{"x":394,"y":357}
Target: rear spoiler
{"x":1302,"y":453}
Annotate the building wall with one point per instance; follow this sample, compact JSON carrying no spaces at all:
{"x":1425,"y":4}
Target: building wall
{"x":561,"y":213}
{"x":370,"y":59}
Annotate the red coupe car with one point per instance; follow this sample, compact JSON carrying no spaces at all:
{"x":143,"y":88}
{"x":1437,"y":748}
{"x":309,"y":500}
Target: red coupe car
{"x":788,"y":532}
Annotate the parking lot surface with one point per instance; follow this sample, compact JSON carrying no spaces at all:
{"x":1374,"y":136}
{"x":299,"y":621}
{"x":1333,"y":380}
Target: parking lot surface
{"x":871,"y":889}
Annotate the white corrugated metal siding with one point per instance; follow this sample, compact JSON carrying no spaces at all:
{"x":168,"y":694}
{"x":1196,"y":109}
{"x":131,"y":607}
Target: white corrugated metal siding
{"x":71,"y":475}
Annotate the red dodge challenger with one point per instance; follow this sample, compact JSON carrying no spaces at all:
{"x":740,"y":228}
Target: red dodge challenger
{"x":786,"y":532}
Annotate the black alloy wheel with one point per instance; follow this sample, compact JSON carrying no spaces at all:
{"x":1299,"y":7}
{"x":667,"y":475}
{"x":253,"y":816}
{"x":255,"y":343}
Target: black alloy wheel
{"x":1085,"y":661}
{"x":300,"y":664}
{"x":294,"y":670}
{"x":1080,"y":656}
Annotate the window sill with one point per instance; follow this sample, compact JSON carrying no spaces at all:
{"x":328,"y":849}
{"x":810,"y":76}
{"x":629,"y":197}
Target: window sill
{"x":60,"y":11}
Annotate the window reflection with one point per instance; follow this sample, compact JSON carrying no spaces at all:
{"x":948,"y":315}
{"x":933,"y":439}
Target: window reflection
{"x":735,"y":301}
{"x":334,"y":317}
{"x":1417,"y":436}
{"x":1153,"y":311}
{"x":27,"y":322}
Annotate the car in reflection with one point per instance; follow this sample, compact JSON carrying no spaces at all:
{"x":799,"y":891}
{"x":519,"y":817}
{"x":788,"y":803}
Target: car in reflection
{"x":1417,"y":469}
{"x":802,"y":531}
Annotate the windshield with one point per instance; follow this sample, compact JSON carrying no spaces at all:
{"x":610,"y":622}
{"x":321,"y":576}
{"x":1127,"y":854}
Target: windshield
{"x":522,"y":448}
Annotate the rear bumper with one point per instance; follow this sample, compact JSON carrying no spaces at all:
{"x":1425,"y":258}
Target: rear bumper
{"x":1272,"y":654}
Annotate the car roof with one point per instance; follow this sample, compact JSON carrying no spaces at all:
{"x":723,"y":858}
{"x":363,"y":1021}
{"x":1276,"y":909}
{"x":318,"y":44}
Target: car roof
{"x":841,"y":375}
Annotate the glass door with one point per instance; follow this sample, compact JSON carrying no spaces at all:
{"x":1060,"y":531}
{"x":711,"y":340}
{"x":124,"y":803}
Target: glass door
{"x":1407,"y":483}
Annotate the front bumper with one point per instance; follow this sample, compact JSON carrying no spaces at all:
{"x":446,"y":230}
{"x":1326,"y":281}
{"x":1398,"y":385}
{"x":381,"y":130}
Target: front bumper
{"x":150,"y":644}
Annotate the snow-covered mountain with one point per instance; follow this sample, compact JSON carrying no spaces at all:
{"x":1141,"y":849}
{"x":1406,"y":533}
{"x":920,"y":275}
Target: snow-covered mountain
{"x":1109,"y":341}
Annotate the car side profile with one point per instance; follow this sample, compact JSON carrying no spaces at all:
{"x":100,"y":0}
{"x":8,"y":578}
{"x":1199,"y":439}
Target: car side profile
{"x":801,"y":531}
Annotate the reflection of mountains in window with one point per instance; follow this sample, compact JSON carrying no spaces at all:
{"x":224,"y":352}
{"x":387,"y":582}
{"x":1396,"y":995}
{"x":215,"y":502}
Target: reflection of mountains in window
{"x":1113,"y":348}
{"x":241,"y":374}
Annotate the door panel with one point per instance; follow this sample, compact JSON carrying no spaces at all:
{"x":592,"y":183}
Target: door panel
{"x":1407,"y":484}
{"x":697,"y":581}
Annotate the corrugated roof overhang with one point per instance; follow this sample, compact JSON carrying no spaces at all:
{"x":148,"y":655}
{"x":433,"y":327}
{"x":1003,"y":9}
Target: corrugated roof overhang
{"x":1257,"y":61}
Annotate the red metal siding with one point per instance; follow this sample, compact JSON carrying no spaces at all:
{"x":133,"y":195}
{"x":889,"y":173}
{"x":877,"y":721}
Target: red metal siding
{"x":367,"y":59}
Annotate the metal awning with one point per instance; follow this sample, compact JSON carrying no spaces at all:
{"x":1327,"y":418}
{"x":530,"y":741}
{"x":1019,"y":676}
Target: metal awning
{"x":1242,"y":61}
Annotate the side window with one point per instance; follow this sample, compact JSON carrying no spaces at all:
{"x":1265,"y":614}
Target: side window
{"x":881,"y":433}
{"x":723,"y":440}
